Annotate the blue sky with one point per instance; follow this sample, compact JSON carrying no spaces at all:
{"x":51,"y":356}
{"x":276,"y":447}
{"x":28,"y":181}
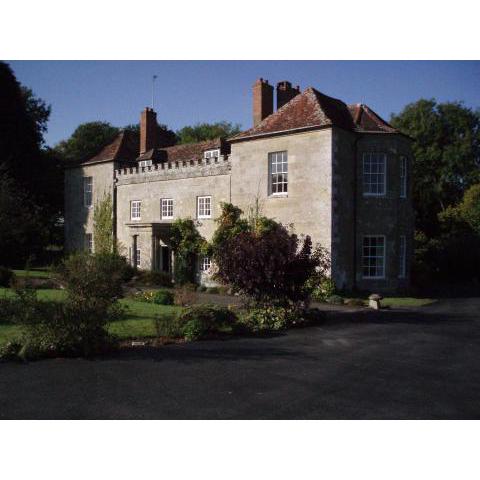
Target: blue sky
{"x":188,"y":92}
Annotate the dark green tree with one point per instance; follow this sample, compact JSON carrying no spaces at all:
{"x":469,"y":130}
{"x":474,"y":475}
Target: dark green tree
{"x":86,"y":141}
{"x":206,"y":131}
{"x":165,"y":136}
{"x":446,"y":151}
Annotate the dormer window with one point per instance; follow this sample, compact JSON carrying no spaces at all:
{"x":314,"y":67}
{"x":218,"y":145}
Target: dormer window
{"x":145,"y":163}
{"x":211,"y":154}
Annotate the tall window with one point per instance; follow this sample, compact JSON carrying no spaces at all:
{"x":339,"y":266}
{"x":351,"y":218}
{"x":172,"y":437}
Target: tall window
{"x":374,"y":173}
{"x":403,"y":177}
{"x":402,"y":257}
{"x":278,"y":166}
{"x":137,"y":257}
{"x":167,"y":208}
{"x":205,"y":264}
{"x":135,"y":209}
{"x":373,"y":256}
{"x":87,"y":191}
{"x":211,"y":154}
{"x":204,"y":207}
{"x":89,"y":242}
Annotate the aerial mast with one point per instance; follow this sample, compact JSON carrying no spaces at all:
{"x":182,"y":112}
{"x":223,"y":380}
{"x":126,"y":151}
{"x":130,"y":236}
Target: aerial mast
{"x":153,"y":91}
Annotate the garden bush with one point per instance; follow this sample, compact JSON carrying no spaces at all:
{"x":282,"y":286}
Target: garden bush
{"x":150,"y":278}
{"x":335,"y":300}
{"x":269,"y":318}
{"x":6,"y":276}
{"x":168,"y":326}
{"x":202,"y":320}
{"x":321,"y":288}
{"x":163,"y":297}
{"x":185,"y":295}
{"x":79,"y":325}
{"x":214,"y":290}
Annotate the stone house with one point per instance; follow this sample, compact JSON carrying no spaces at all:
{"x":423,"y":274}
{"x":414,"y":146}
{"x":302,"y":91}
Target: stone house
{"x":336,"y":172}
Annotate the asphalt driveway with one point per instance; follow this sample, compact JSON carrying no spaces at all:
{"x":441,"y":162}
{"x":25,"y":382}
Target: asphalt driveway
{"x":422,"y":364}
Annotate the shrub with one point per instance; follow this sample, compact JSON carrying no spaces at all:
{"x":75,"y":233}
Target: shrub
{"x":163,"y":297}
{"x":185,"y":295}
{"x":6,"y":276}
{"x":78,"y":326}
{"x":187,"y":244}
{"x":201,"y":288}
{"x":262,"y":260}
{"x":213,"y":290}
{"x":202,"y":320}
{"x":321,"y":288}
{"x":265,"y":319}
{"x":99,"y":275}
{"x":335,"y":300}
{"x":168,"y":326}
{"x":151,"y":278}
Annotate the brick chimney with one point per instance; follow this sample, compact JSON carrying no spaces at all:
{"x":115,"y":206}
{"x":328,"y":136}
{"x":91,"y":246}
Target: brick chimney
{"x":285,"y":92}
{"x":148,"y":130}
{"x":262,"y":100}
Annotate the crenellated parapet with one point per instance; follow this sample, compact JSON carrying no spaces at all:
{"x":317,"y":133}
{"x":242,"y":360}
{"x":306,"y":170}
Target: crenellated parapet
{"x":201,"y":167}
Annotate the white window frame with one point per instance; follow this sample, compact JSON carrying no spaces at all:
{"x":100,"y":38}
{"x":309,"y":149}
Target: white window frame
{"x":367,"y":159}
{"x":209,"y":154}
{"x":402,"y":256}
{"x":88,"y":192}
{"x":145,"y":163}
{"x":205,"y":264}
{"x":166,"y":208}
{"x":89,"y":242}
{"x":138,"y":257}
{"x":383,"y":257}
{"x":278,"y":166}
{"x":403,"y":176}
{"x":203,"y":208}
{"x":137,"y":209}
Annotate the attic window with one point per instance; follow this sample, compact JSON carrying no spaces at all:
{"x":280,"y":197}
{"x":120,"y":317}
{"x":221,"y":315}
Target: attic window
{"x":145,"y":163}
{"x":211,"y":154}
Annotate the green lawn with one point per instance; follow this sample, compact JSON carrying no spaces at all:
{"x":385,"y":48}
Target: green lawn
{"x":395,"y":302}
{"x":34,"y":273}
{"x":137,"y":324}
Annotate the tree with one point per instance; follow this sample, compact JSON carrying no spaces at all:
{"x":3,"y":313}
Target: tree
{"x":446,"y":151}
{"x":206,"y":131}
{"x":165,"y":136}
{"x":86,"y":141}
{"x":31,"y":174}
{"x":470,"y":208}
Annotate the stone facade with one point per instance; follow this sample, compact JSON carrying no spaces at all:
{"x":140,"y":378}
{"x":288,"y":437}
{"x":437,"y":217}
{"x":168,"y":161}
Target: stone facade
{"x":325,"y":197}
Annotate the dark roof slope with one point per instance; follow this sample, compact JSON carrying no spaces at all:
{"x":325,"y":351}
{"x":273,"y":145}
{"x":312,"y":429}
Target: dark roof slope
{"x":312,"y":109}
{"x":124,"y":148}
{"x":188,"y":151}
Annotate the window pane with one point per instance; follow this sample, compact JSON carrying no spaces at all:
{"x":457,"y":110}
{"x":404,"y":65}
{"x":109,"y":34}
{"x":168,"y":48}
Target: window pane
{"x":373,"y":256}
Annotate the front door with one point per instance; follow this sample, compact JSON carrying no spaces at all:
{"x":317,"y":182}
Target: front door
{"x":165,"y":255}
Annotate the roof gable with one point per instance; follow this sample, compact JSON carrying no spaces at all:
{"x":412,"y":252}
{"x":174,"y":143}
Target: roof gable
{"x":312,"y":109}
{"x":124,"y":148}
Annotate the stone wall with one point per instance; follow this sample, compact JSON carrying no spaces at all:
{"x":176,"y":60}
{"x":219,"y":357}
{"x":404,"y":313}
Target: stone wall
{"x":308,"y":205}
{"x":388,"y":215}
{"x":78,"y":218}
{"x":183,"y":184}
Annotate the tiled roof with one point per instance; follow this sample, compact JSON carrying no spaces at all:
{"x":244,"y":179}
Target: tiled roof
{"x":124,"y":148}
{"x":188,"y":151}
{"x":312,"y":109}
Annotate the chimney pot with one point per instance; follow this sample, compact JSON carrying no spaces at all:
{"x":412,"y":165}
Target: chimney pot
{"x":285,"y":92}
{"x":262,"y":100}
{"x":148,"y":130}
